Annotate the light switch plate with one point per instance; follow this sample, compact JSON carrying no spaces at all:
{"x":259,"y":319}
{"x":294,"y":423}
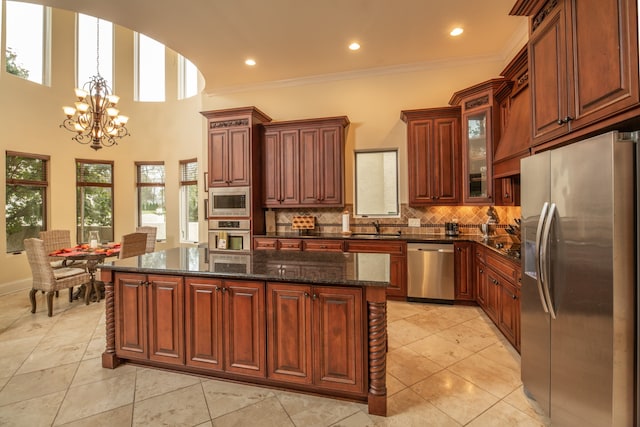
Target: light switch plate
{"x":414,"y":222}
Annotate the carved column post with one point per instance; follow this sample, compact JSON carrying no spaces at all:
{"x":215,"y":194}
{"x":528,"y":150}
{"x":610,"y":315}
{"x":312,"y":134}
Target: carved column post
{"x":377,"y":350}
{"x":109,"y":358}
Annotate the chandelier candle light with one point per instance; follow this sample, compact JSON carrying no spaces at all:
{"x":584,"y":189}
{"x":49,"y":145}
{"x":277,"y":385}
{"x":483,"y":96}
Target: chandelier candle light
{"x":95,"y":118}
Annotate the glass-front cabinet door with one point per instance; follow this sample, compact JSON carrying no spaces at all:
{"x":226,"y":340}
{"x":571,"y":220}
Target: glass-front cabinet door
{"x":477,"y":156}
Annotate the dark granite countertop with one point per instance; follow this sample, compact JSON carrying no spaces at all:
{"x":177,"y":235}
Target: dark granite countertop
{"x":491,"y":243}
{"x":348,"y":269}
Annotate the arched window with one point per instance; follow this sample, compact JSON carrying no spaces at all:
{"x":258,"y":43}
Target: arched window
{"x":149,"y":69}
{"x":87,"y":50}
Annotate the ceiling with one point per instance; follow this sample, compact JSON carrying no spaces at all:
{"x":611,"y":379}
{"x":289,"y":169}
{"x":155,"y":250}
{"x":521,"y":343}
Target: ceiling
{"x":308,"y":39}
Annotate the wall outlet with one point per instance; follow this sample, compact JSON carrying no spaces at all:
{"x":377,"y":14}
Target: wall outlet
{"x":414,"y":222}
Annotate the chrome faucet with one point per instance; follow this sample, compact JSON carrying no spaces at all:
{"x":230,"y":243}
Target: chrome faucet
{"x":376,"y":224}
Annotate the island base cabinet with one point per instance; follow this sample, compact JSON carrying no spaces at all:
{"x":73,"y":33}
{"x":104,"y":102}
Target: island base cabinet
{"x":149,"y":323}
{"x":315,"y":336}
{"x":225,"y":326}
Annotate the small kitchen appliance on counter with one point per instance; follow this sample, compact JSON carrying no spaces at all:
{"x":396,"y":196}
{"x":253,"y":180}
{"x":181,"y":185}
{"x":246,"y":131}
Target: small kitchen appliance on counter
{"x":451,"y":228}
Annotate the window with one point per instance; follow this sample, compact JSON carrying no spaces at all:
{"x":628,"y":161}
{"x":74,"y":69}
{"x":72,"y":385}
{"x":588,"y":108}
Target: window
{"x":26,"y":197}
{"x":94,"y":199}
{"x":87,"y":50}
{"x":187,"y":78}
{"x":189,"y":200}
{"x":377,"y":183}
{"x":27,"y":40}
{"x":150,"y":69}
{"x":151,"y":208}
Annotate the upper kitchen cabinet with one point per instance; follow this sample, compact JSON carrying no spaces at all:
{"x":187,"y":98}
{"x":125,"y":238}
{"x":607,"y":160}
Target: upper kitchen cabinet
{"x":433,"y":143}
{"x":304,"y":163}
{"x":480,"y":128}
{"x":583,"y":64}
{"x":233,"y":146}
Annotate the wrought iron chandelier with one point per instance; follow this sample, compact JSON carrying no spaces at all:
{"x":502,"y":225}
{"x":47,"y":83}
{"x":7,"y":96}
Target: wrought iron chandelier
{"x":95,"y":118}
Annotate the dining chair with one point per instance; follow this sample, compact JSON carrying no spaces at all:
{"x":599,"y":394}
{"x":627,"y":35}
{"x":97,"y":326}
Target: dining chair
{"x":133,"y":244}
{"x":46,"y":278}
{"x":57,"y":239}
{"x":151,"y":233}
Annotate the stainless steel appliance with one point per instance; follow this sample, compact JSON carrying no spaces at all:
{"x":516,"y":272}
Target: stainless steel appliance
{"x":230,"y":234}
{"x":229,"y":202}
{"x":579,"y":281}
{"x":451,"y":228}
{"x":430,"y":272}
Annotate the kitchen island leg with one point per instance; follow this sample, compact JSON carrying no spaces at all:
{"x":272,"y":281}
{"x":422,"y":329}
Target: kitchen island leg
{"x":109,"y":358}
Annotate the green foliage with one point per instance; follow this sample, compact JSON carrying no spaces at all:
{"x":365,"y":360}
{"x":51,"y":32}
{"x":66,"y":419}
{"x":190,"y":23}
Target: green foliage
{"x":13,"y":67}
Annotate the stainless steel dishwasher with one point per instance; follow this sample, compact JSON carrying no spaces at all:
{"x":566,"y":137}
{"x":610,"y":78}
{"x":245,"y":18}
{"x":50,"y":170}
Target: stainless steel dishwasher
{"x":430,"y":272}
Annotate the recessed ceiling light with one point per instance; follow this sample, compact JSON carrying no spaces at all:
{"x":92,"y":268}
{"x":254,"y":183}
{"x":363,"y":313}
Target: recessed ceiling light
{"x":354,"y":46}
{"x":250,"y":62}
{"x":456,"y":31}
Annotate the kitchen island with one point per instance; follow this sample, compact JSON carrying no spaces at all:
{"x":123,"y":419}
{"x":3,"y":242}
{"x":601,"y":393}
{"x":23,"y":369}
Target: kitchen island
{"x":307,"y":322}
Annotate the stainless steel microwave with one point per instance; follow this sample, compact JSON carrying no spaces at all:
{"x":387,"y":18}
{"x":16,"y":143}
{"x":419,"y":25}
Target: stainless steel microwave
{"x":229,"y":202}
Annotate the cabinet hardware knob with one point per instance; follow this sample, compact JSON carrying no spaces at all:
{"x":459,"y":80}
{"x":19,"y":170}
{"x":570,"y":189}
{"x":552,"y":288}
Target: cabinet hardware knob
{"x":481,"y":271}
{"x":314,"y":296}
{"x":459,"y":250}
{"x":306,"y":294}
{"x":514,"y":297}
{"x":565,"y":120}
{"x":506,"y":195}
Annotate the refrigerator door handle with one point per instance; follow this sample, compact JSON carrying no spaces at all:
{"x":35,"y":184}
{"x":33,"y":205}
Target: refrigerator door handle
{"x":544,"y":258}
{"x":539,"y":270}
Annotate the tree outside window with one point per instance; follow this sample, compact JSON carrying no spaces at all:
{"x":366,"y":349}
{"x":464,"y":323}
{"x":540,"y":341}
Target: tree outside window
{"x":26,"y":198}
{"x":189,"y":200}
{"x":94,"y":199}
{"x":151,"y":206}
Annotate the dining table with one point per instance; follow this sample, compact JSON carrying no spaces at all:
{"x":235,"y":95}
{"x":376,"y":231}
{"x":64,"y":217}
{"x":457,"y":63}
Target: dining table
{"x":92,"y":257}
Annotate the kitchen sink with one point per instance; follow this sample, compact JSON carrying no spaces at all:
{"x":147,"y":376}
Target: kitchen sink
{"x":375,"y":235}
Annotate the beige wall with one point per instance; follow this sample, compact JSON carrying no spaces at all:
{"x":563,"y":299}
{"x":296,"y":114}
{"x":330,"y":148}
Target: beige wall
{"x":30,"y":116}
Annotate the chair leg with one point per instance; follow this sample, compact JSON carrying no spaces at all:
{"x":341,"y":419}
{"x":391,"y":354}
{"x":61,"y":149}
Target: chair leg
{"x":71,"y":294}
{"x":32,"y":298}
{"x":50,"y":303}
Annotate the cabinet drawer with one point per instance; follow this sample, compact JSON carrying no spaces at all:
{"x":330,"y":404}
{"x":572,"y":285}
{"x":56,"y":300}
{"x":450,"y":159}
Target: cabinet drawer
{"x":322,"y":245}
{"x":265,"y":243}
{"x":503,"y":266}
{"x":290,"y":244}
{"x":393,"y":248}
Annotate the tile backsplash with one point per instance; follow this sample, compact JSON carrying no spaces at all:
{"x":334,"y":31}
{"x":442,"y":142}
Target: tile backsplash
{"x":432,"y":219}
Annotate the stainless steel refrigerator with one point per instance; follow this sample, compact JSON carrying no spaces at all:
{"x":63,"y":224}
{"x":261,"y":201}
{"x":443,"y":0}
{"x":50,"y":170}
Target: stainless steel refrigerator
{"x":578,"y":297}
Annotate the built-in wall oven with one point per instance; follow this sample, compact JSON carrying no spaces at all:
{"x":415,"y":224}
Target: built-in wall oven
{"x":230,"y":234}
{"x":229,"y":202}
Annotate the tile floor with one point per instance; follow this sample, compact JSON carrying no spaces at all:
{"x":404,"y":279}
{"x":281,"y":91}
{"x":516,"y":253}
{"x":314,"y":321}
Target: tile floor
{"x":447,"y":366}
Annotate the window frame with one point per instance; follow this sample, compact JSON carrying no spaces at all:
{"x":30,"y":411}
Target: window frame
{"x":30,"y":183}
{"x":140,"y":185}
{"x":79,"y":184}
{"x":184,"y":208}
{"x":45,"y":75}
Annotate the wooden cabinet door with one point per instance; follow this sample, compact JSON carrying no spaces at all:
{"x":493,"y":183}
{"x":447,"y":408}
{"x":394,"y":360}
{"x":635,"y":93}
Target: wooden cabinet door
{"x":289,"y":346}
{"x":420,"y":147}
{"x":463,"y":271}
{"x":397,"y":277}
{"x":446,"y":159}
{"x":509,"y":318}
{"x":131,"y":319}
{"x":239,"y":169}
{"x":549,"y":77}
{"x":244,"y":322}
{"x":204,"y":331}
{"x":271,"y":169}
{"x":219,"y":158}
{"x":492,"y":307}
{"x":165,"y":296}
{"x":321,"y":166}
{"x":337,"y":332}
{"x":604,"y":61}
{"x":481,"y":284}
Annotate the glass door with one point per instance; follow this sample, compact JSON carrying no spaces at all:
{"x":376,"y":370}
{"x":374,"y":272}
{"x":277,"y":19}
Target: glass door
{"x":477,"y":161}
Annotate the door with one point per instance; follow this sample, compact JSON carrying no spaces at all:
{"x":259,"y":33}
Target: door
{"x":165,"y":295}
{"x":463,"y":271}
{"x":337,"y":332}
{"x":244,"y":320}
{"x":131,"y":320}
{"x":535,"y":344}
{"x":204,"y":331}
{"x":289,"y":333}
